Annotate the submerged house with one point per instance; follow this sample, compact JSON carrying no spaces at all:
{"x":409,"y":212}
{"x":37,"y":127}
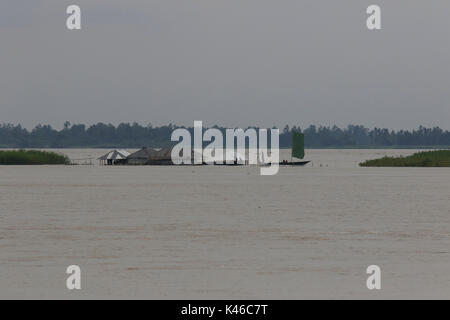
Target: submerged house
{"x":163,"y":157}
{"x":150,"y":156}
{"x":114,"y":157}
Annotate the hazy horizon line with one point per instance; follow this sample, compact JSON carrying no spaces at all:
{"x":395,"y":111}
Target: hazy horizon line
{"x":140,"y":123}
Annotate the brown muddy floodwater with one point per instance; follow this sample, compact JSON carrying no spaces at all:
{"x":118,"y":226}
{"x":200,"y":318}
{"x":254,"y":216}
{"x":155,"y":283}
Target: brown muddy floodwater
{"x":226,"y":232}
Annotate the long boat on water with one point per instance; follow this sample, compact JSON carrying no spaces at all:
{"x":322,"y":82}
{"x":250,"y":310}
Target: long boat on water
{"x":297,"y":151}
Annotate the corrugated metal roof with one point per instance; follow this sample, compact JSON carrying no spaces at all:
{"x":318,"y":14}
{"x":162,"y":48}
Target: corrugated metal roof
{"x":118,"y":154}
{"x":144,"y":153}
{"x":152,"y":154}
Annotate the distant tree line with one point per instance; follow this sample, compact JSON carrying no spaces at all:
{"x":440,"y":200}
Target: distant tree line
{"x":127,"y":135}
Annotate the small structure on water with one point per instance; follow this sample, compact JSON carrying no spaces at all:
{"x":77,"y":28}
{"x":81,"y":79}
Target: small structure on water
{"x":114,"y":157}
{"x":150,"y":156}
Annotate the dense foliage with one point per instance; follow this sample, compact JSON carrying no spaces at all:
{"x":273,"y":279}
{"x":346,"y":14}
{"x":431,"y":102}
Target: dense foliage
{"x":134,"y":136}
{"x":31,"y":157}
{"x":440,"y":158}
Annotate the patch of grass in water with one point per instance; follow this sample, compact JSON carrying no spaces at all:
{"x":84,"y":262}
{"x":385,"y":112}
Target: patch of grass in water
{"x":439,"y":158}
{"x":31,"y":157}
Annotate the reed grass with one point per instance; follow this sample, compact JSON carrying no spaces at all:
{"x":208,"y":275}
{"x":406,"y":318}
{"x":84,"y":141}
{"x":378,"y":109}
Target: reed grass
{"x":438,"y":158}
{"x":32,"y":157}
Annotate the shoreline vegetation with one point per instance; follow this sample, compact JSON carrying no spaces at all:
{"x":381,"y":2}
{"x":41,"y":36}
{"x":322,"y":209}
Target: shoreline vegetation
{"x":438,"y":158}
{"x":134,"y":135}
{"x":32,"y":157}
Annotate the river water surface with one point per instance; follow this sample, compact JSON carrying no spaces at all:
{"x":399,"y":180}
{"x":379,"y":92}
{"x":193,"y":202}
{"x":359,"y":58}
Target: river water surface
{"x":225,"y":232}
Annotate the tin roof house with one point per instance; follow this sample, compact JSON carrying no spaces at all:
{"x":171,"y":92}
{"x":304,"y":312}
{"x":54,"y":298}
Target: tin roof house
{"x":114,"y":157}
{"x":150,"y":156}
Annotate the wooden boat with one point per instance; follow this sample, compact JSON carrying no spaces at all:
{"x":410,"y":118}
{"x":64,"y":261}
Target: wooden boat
{"x":295,"y":163}
{"x":297,"y":151}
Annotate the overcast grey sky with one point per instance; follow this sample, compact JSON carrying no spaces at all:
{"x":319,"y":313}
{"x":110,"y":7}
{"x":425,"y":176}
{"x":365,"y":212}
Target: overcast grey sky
{"x":226,"y":62}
